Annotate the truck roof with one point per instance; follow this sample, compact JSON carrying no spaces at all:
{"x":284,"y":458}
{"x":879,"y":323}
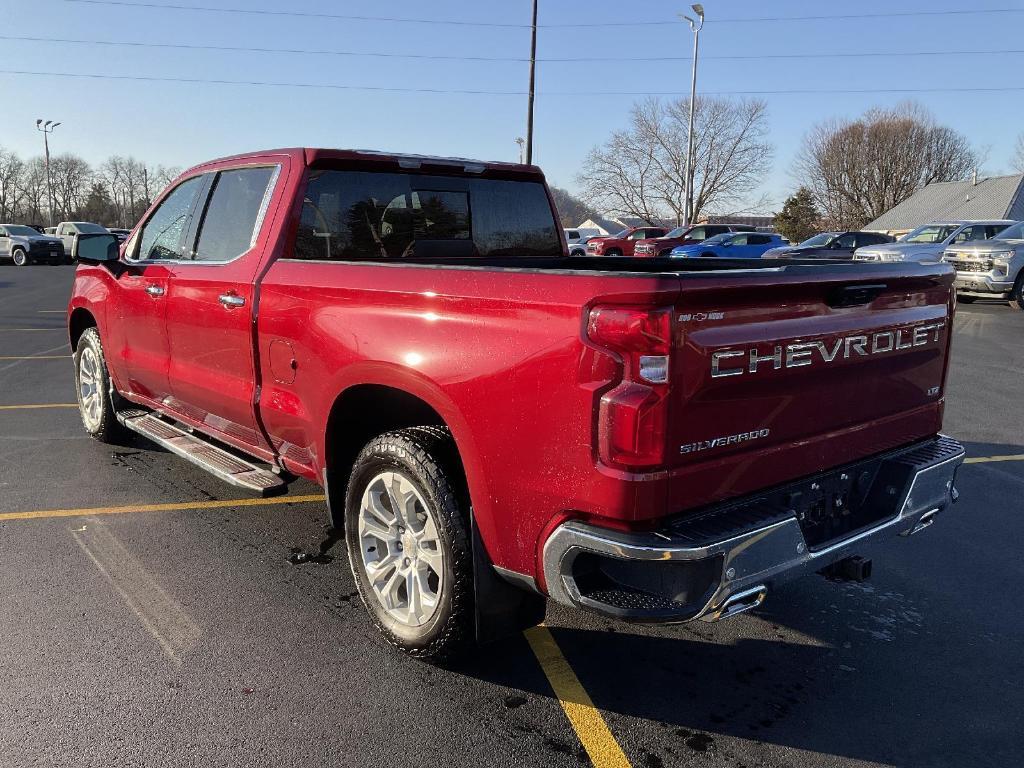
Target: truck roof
{"x":314,"y":156}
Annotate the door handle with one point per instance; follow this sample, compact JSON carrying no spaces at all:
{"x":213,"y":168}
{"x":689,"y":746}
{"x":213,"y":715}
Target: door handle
{"x":155,"y":290}
{"x":232,"y":300}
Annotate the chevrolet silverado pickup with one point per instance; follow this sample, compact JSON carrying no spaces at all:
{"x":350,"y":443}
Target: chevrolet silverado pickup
{"x":495,"y":423}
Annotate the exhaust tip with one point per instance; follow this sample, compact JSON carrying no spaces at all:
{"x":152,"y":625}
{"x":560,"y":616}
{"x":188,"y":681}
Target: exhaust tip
{"x":739,"y":603}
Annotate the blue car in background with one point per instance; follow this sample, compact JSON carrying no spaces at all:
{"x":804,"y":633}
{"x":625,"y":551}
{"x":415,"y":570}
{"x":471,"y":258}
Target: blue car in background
{"x":732,"y":245}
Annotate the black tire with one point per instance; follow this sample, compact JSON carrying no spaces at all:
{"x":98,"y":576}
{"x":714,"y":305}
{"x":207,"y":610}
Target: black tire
{"x":1017,"y":294}
{"x":613,"y":252}
{"x":21,"y":258}
{"x":102,"y":426}
{"x":427,"y":457}
{"x":964,"y":299}
{"x":667,"y":253}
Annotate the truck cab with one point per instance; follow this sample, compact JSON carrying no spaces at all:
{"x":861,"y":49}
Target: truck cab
{"x":622,"y":243}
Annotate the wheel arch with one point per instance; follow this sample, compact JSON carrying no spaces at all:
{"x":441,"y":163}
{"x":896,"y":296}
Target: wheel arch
{"x":363,"y":411}
{"x":79,"y":322}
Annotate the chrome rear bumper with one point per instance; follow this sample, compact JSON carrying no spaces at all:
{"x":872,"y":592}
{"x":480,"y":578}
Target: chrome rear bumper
{"x":680,"y":580}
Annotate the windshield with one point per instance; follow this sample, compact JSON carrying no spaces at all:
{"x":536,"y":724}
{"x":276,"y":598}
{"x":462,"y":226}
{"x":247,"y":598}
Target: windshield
{"x":818,"y":241}
{"x":91,"y":229}
{"x":1013,"y":232}
{"x":718,"y":239}
{"x":620,"y":235}
{"x":17,"y":230}
{"x":930,"y":233}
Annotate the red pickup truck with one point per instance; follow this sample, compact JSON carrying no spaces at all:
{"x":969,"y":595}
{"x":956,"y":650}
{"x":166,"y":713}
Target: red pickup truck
{"x":494,"y":422}
{"x":622,"y":243}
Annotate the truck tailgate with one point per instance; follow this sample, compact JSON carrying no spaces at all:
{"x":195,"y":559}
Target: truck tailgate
{"x":777,"y":374}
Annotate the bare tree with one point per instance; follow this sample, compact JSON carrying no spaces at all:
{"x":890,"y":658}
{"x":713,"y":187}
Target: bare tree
{"x":71,"y":177}
{"x":1018,"y":154}
{"x":859,"y":169}
{"x":11,"y":169}
{"x":32,"y":192}
{"x":640,"y":171}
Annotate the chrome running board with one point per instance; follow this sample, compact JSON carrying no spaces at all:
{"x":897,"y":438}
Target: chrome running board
{"x":204,"y":454}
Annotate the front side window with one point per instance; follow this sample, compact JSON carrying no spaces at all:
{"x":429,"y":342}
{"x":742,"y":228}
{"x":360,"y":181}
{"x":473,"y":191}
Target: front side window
{"x":849,"y":240}
{"x":697,"y":233}
{"x":161,"y":236}
{"x":229,"y":221}
{"x":354,"y":215}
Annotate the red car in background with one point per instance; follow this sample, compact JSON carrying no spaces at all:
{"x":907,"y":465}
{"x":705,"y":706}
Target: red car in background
{"x":622,"y":244}
{"x":661,"y":245}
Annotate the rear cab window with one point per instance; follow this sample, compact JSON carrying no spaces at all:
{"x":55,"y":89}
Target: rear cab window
{"x":390,"y":216}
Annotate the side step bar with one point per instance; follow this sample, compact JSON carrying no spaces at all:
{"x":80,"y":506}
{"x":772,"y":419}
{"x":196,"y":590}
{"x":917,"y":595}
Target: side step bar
{"x":202,"y":453}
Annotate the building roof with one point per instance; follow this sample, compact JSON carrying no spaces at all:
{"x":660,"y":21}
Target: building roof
{"x":998,"y":197}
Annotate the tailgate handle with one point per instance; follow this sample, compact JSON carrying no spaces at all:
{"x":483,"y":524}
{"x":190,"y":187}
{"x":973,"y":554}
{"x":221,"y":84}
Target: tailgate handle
{"x":855,"y":295}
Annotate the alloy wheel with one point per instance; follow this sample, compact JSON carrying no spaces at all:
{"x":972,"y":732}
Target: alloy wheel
{"x":401,"y":549}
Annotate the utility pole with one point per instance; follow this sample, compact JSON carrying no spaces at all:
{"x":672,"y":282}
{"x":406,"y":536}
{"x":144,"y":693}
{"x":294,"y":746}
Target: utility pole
{"x":533,"y":67}
{"x":696,"y":27}
{"x":520,"y":141}
{"x":47,"y":129}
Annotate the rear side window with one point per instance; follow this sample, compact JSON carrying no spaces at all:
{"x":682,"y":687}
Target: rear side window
{"x":361,"y":215}
{"x":161,"y":235}
{"x":758,"y":239}
{"x":229,"y":223}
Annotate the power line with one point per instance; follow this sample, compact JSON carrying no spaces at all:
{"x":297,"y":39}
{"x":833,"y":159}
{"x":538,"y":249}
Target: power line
{"x":389,"y":89}
{"x":452,"y":57}
{"x":573,"y":25}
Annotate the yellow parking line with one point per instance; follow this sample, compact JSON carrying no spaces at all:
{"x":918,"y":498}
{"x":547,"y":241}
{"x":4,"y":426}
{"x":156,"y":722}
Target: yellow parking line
{"x":130,"y":508}
{"x":37,"y":405}
{"x":986,"y":459}
{"x":35,"y":357}
{"x":586,"y":720}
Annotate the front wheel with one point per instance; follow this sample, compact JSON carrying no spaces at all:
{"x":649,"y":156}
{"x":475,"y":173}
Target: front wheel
{"x":964,"y":299}
{"x":20,"y":257}
{"x":409,"y":545}
{"x":613,"y":252}
{"x":93,"y":389}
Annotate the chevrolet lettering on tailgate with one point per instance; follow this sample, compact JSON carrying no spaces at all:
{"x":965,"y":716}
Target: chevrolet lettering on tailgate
{"x":800,"y":354}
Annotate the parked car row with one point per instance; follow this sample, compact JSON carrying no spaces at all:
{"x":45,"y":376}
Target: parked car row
{"x":28,"y":244}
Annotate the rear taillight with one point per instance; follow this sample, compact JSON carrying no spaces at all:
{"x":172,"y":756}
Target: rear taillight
{"x":633,"y":416}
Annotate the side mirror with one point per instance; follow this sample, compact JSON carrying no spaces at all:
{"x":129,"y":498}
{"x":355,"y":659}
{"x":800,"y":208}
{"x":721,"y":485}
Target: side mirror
{"x":95,"y":248}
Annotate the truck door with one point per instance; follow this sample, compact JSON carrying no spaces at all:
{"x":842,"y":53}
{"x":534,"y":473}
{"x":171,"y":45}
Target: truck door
{"x":210,"y":312}
{"x":140,"y":340}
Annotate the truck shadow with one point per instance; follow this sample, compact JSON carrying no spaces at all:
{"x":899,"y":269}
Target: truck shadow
{"x":877,"y":672}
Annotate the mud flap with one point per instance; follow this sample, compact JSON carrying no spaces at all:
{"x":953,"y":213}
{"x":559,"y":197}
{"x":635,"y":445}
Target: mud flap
{"x":502,"y":609}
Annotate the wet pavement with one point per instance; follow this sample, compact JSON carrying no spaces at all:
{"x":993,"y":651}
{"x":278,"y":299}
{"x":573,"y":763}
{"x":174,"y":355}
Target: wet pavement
{"x":208,"y":635}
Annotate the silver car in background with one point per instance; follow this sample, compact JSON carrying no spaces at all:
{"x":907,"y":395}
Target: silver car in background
{"x":991,"y":269}
{"x":929,"y":242}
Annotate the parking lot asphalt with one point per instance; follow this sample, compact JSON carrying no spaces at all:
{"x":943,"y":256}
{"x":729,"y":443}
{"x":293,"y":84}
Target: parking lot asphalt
{"x":196,"y":634}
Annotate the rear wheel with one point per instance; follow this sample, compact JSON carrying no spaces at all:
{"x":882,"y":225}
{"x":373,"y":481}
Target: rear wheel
{"x":964,"y":299}
{"x":409,"y":545}
{"x":1017,"y":294}
{"x":20,"y":257}
{"x":95,"y":403}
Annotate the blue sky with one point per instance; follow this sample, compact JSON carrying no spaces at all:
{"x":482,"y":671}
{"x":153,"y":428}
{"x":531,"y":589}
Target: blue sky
{"x":185,"y":123}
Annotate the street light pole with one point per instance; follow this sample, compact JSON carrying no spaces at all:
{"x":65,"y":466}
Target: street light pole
{"x":533,"y":67}
{"x":696,"y":27}
{"x":520,"y":141}
{"x":47,"y":129}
